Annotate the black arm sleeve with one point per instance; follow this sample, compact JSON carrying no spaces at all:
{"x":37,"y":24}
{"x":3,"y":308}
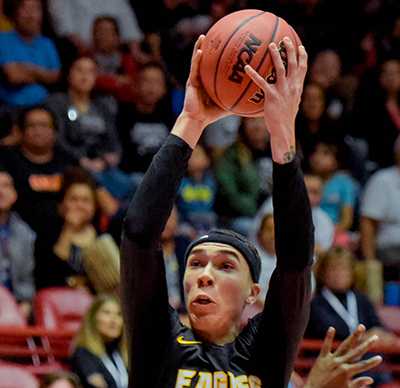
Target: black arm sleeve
{"x":144,"y":295}
{"x":287,"y":304}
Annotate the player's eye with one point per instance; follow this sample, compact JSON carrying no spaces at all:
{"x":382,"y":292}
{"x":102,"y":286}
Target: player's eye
{"x":195,"y":263}
{"x":227,"y":266}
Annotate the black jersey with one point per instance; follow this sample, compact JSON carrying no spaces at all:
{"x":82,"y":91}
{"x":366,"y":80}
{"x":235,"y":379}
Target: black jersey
{"x":167,"y":354}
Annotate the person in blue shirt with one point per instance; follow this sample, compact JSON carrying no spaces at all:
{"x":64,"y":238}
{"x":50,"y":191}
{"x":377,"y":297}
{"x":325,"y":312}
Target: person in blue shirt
{"x":29,"y":61}
{"x":196,"y":196}
{"x":340,"y":191}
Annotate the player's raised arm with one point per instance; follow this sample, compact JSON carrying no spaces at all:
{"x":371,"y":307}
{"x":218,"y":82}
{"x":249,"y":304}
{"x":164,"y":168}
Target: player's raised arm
{"x":288,"y":297}
{"x":144,"y":293}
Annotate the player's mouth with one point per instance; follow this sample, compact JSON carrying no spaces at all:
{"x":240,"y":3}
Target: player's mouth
{"x":203,"y":300}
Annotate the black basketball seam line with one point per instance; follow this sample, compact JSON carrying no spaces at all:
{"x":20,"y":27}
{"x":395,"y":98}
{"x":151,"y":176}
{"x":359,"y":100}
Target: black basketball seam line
{"x":220,"y":55}
{"x":251,"y":81}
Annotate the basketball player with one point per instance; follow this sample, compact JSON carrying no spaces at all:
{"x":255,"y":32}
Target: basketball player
{"x":222,"y":268}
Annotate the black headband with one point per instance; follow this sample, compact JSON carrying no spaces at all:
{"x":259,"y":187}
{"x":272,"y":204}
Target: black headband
{"x":235,"y":240}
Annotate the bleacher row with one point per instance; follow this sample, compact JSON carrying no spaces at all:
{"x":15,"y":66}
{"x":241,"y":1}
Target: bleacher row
{"x":29,"y":351}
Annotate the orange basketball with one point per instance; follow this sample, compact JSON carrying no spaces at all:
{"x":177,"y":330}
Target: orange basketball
{"x":238,"y":39}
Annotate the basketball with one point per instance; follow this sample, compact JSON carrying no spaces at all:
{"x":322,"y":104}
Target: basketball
{"x":238,"y":39}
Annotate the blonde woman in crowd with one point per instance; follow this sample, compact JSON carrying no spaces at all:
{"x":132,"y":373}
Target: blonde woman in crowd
{"x":100,"y":353}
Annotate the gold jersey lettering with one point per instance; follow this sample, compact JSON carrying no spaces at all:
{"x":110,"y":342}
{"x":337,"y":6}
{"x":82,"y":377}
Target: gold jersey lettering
{"x":205,"y":380}
{"x":254,"y":382}
{"x":242,"y":381}
{"x":220,"y":380}
{"x":184,"y":378}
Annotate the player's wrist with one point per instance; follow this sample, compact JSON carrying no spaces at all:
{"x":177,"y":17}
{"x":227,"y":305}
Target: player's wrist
{"x":188,"y":128}
{"x":283,"y":147}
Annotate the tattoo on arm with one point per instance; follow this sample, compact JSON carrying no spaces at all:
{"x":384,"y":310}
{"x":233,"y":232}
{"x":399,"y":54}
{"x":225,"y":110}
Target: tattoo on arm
{"x":289,"y":156}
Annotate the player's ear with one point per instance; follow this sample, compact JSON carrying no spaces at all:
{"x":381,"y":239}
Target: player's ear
{"x":254,"y":292}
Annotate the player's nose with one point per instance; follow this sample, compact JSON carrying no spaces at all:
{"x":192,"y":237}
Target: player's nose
{"x":206,"y":277}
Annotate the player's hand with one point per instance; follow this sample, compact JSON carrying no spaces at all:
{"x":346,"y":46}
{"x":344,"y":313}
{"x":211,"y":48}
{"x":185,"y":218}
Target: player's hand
{"x":198,"y":105}
{"x":337,"y":369}
{"x":282,"y":98}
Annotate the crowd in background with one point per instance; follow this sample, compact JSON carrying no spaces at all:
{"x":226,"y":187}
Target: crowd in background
{"x":90,"y":89}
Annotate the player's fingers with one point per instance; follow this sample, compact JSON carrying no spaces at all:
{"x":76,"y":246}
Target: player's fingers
{"x":197,"y":45}
{"x":364,"y":365}
{"x":345,"y":345}
{"x":360,"y":350}
{"x":291,"y":66}
{"x":302,"y":63}
{"x":277,"y":62}
{"x":194,"y":76}
{"x":327,"y":343}
{"x":257,"y":79}
{"x":361,"y":382}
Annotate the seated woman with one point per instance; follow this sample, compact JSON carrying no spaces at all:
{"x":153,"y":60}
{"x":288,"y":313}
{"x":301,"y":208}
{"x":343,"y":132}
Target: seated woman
{"x":61,"y":251}
{"x":338,"y":304}
{"x":87,"y":126}
{"x":100,"y":352}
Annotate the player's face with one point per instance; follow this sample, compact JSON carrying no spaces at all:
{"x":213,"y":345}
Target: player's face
{"x":109,"y":321}
{"x":218,"y":286}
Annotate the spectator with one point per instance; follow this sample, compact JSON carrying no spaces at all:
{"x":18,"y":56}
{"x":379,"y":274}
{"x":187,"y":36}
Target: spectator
{"x":380,"y":218}
{"x":60,"y":379}
{"x":28,"y":60}
{"x":60,"y":250}
{"x":378,"y":106}
{"x":313,"y":123}
{"x":339,"y":189}
{"x":323,"y":225}
{"x":100,"y":352}
{"x":72,"y":21}
{"x":337,"y":304}
{"x":17,"y":241}
{"x":86,"y":125}
{"x":196,"y":196}
{"x":326,"y":68}
{"x":145,"y":124}
{"x":36,"y":165}
{"x":262,"y":236}
{"x":244,"y":176}
{"x":118,"y":68}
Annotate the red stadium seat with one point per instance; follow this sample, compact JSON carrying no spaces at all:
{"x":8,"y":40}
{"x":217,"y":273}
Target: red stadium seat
{"x":14,"y":376}
{"x":61,"y":307}
{"x":10,"y":313}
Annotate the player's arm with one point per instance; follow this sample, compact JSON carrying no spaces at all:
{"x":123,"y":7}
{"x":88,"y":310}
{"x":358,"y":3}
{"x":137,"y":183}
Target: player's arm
{"x":144,"y":294}
{"x":287,"y":302}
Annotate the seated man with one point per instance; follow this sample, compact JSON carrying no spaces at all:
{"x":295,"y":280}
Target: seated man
{"x":37,"y":165}
{"x":17,"y":241}
{"x":380,"y":218}
{"x":29,"y":61}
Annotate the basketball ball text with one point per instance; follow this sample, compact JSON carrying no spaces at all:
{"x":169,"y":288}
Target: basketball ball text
{"x":258,"y":96}
{"x":251,"y":47}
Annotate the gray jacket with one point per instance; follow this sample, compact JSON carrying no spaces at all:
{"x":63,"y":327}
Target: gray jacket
{"x":21,"y":245}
